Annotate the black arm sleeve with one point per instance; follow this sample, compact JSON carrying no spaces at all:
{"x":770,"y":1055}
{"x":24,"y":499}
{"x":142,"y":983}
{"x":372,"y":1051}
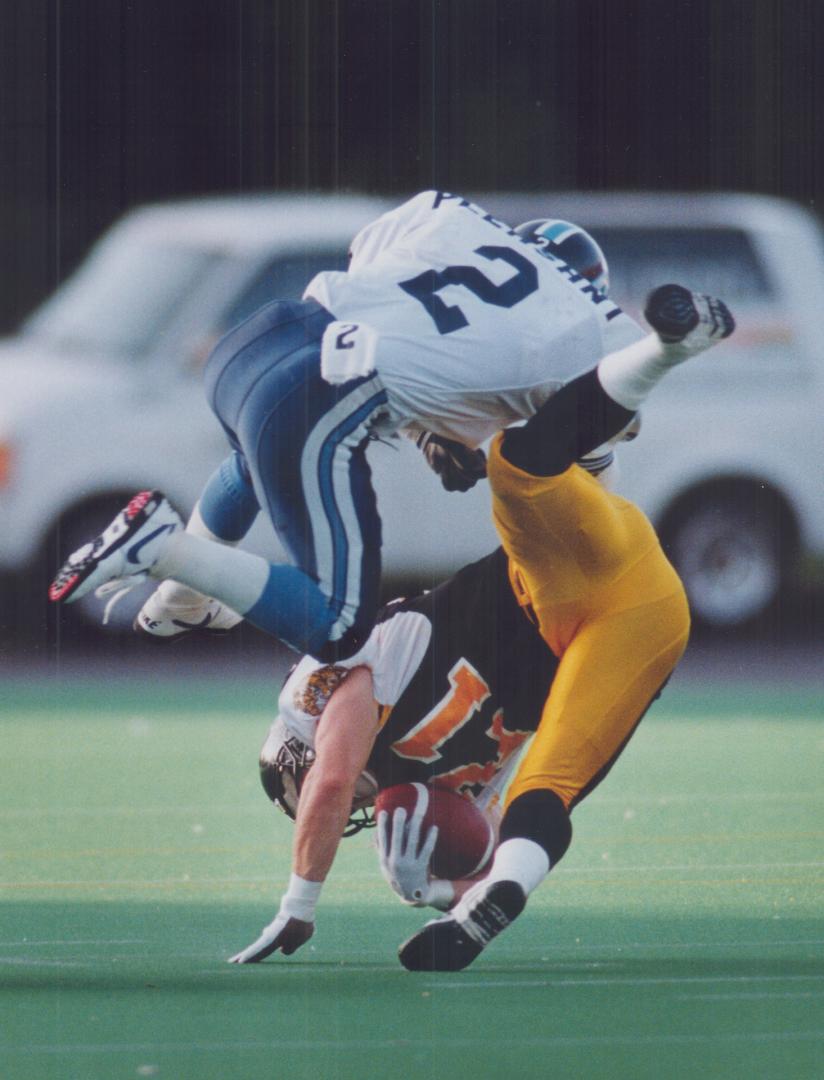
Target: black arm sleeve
{"x":579,"y":417}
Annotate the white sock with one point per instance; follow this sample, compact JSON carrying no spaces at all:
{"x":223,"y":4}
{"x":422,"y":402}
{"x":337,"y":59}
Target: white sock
{"x":172,"y":592}
{"x":236,"y":578}
{"x":519,"y":860}
{"x":629,"y":374}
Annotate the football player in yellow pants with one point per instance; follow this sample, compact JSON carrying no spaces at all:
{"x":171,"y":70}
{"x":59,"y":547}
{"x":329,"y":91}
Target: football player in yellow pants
{"x":589,"y":570}
{"x":588,"y":567}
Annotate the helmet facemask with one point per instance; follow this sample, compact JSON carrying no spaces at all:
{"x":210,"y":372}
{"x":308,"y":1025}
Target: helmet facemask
{"x":284,"y":763}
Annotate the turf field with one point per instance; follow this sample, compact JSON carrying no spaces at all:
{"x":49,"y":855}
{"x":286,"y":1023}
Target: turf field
{"x":681,"y":937}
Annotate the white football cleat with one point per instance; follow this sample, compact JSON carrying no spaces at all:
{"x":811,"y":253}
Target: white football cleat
{"x":688,"y":323}
{"x":163,"y":620}
{"x":124,"y":553}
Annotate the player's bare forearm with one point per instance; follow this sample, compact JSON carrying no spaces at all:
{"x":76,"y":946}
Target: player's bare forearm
{"x":322,"y":815}
{"x":345,"y":736}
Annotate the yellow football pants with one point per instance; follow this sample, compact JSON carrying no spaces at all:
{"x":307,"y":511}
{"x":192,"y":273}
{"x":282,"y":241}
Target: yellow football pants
{"x":588,"y":566}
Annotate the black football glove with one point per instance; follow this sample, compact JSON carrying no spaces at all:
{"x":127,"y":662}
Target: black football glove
{"x":458,"y":467}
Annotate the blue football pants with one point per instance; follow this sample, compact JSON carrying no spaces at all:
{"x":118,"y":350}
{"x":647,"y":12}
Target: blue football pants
{"x":299,"y":454}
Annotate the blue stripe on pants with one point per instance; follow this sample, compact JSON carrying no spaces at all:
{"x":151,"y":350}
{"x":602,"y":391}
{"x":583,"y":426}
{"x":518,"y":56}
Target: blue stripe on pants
{"x":339,"y":442}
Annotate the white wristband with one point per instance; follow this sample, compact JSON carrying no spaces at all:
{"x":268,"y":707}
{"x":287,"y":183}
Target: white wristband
{"x":300,"y":899}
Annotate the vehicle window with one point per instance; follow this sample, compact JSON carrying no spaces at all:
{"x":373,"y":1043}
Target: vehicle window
{"x":122,"y":297}
{"x":718,"y":261}
{"x":284,"y":278}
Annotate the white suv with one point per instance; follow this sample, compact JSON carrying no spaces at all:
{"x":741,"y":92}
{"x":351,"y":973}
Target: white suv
{"x":102,"y":396}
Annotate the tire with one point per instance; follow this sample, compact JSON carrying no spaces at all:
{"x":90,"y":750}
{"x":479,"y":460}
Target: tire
{"x":732,"y":547}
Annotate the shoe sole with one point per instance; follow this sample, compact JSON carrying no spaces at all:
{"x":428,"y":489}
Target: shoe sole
{"x":671,"y":312}
{"x":186,"y":631}
{"x":75,"y":572}
{"x":444,"y":945}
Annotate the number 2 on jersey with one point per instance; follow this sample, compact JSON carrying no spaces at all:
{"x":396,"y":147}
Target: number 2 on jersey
{"x":448,"y":318}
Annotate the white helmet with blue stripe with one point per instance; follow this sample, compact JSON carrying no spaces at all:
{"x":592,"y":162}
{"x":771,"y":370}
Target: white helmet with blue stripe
{"x":573,"y":245}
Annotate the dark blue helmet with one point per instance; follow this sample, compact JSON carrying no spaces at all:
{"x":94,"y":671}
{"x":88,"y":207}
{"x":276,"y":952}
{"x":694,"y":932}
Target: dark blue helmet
{"x":573,"y":245}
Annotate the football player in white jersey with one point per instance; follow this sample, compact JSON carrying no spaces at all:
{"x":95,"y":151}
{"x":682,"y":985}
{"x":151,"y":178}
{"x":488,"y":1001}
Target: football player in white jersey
{"x":569,"y":633}
{"x":448,"y":322}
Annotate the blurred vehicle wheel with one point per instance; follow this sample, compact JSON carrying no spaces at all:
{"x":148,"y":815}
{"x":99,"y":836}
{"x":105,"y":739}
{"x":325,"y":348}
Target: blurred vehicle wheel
{"x":733,"y":547}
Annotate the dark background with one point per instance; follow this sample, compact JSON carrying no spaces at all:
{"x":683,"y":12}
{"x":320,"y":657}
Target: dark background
{"x":108,"y":103}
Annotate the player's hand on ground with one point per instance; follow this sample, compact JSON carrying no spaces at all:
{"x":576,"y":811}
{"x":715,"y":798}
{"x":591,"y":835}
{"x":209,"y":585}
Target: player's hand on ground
{"x":458,"y":467}
{"x":404,"y":864}
{"x":284,"y":933}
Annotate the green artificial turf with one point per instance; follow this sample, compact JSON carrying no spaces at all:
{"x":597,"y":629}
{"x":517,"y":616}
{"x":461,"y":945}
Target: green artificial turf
{"x":682,"y":936}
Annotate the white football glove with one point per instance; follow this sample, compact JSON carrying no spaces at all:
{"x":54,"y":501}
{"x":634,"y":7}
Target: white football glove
{"x":284,"y":932}
{"x":292,"y":927}
{"x":404,"y":866}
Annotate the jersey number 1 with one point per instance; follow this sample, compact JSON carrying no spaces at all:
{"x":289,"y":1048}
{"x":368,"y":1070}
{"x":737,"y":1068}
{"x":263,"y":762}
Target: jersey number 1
{"x":447,"y":319}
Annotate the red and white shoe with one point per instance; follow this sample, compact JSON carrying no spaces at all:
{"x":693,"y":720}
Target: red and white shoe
{"x":124,"y":553}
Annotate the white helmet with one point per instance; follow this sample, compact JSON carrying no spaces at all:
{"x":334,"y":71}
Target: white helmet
{"x":572,"y":245}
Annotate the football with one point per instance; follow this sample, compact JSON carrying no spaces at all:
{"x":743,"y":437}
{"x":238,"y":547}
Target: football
{"x":466,"y":839}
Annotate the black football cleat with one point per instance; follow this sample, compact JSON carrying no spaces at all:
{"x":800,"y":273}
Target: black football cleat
{"x":686,"y":318}
{"x":453,"y":942}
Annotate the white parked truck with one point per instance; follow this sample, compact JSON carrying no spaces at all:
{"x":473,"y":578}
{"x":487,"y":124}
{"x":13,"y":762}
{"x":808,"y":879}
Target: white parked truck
{"x":100,"y":391}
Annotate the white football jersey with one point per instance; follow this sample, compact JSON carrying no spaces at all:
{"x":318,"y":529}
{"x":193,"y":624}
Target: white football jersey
{"x":471,"y":328}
